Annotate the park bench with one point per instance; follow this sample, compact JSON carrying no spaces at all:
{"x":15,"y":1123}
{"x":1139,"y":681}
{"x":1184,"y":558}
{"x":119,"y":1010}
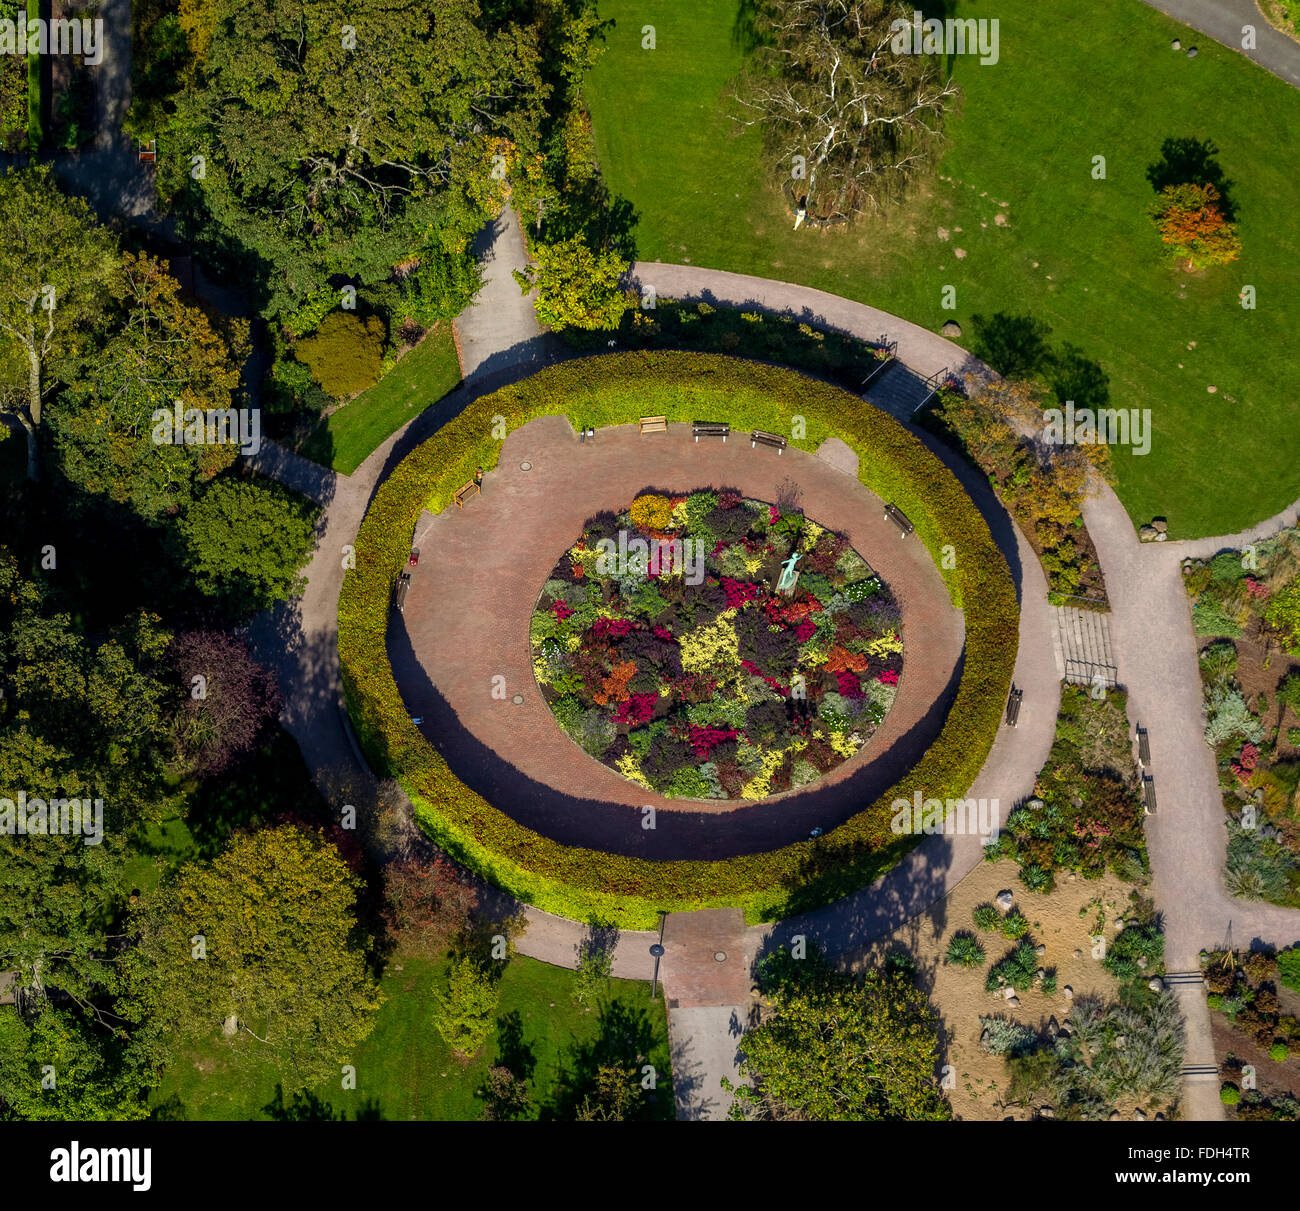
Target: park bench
{"x":1013,"y":706}
{"x":899,"y":518}
{"x":1149,"y":794}
{"x":654,"y":424}
{"x":1144,"y":748}
{"x":400,"y":591}
{"x":774,"y":440}
{"x":710,"y":428}
{"x":464,"y":493}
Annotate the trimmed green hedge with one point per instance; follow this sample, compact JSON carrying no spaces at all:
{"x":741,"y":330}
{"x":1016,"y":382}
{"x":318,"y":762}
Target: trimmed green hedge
{"x":617,"y":389}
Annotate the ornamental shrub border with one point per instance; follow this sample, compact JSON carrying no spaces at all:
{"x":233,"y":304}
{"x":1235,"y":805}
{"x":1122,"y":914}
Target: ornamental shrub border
{"x":616,"y":389}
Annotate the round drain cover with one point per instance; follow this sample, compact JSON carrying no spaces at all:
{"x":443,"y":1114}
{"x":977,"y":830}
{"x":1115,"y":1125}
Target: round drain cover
{"x":720,"y":956}
{"x":525,"y":465}
{"x":517,"y":699}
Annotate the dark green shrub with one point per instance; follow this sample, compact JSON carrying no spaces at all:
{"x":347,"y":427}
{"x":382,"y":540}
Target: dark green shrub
{"x":1014,"y":925}
{"x":1017,"y":969}
{"x":964,"y":950}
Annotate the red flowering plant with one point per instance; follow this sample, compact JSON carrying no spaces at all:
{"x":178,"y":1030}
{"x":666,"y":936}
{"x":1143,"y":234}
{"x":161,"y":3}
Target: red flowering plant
{"x":712,"y":663}
{"x":1244,"y":767}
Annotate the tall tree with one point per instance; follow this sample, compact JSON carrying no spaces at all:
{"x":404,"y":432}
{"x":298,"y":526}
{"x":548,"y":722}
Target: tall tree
{"x":260,"y":946}
{"x":341,"y":139}
{"x":55,"y":266}
{"x":835,"y":1046}
{"x":230,"y":699}
{"x":163,"y":351}
{"x":246,"y":542}
{"x":846,"y":121}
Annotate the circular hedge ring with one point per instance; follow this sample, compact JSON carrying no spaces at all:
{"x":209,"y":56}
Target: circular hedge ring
{"x":613,"y":390}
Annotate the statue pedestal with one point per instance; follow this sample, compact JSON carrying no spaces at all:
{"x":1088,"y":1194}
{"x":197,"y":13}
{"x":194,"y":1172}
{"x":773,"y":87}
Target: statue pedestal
{"x":787,"y":589}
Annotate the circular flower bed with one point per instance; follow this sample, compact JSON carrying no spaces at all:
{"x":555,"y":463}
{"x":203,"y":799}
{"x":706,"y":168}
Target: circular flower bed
{"x":666,"y":648}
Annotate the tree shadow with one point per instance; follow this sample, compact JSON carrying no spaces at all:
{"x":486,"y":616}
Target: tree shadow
{"x":306,"y":1107}
{"x":1073,"y":376}
{"x":1014,"y":345}
{"x":626,"y":1039}
{"x":1191,"y":161}
{"x":513,"y":1051}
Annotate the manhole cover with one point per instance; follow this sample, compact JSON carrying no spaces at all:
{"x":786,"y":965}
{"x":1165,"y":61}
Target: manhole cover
{"x":719,"y":956}
{"x":517,"y":699}
{"x":525,"y":465}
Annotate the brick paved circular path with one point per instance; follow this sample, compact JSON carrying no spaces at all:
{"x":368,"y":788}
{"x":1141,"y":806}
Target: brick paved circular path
{"x":480,"y":572}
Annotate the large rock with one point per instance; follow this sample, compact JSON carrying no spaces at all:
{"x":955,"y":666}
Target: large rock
{"x":1005,"y":901}
{"x":952,"y":330}
{"x":1147,"y":534}
{"x":230,"y":1027}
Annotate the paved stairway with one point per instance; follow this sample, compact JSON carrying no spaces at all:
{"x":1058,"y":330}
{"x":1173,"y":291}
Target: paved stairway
{"x":898,"y":390}
{"x":1082,"y":645}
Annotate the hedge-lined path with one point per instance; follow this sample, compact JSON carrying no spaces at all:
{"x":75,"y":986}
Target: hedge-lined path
{"x":467,"y":621}
{"x":1133,"y":576}
{"x":1156,"y":652}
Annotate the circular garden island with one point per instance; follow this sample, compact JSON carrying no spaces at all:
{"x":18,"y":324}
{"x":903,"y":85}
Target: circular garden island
{"x":709,"y":646}
{"x":499,"y":834}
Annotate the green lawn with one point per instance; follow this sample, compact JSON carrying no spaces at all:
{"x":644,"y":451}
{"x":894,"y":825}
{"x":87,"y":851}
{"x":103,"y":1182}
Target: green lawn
{"x":405,"y":1071}
{"x":347,"y":437}
{"x":1080,"y":254}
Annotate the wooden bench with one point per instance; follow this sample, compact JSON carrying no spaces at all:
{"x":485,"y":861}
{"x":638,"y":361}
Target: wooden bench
{"x":710,"y":428}
{"x":1013,"y":706}
{"x":400,"y":590}
{"x":464,"y":493}
{"x":774,"y":440}
{"x":899,"y":518}
{"x":1144,"y":748}
{"x":654,"y":424}
{"x":1149,"y":794}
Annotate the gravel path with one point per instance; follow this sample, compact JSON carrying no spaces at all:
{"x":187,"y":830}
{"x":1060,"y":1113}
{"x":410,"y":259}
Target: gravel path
{"x":1151,"y":629}
{"x":1224,"y":21}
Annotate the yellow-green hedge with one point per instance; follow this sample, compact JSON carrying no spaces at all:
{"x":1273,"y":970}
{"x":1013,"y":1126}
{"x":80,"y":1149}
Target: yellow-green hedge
{"x":617,"y":389}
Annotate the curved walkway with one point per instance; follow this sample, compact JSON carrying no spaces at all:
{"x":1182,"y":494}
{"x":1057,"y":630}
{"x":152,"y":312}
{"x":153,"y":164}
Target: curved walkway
{"x":1155,"y":649}
{"x":465,"y":626}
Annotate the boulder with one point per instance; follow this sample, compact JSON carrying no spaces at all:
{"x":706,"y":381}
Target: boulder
{"x":1156,"y":984}
{"x":1005,"y":901}
{"x":1046,"y":1112}
{"x":1147,"y":534}
{"x":1068,"y":993}
{"x":1159,"y":523}
{"x":1013,"y":1002}
{"x":1177,"y":44}
{"x":1138,"y":1116}
{"x":951,"y":329}
{"x":230,"y":1027}
{"x":1040,"y":950}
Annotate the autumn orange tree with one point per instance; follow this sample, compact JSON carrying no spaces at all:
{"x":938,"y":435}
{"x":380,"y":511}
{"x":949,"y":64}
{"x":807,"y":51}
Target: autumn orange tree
{"x":1192,"y":223}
